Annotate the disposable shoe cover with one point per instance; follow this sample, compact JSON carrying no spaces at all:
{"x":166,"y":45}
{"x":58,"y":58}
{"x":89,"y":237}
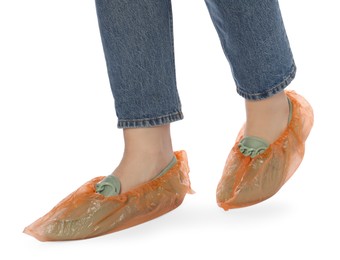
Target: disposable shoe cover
{"x":246,"y":181}
{"x":85,"y":213}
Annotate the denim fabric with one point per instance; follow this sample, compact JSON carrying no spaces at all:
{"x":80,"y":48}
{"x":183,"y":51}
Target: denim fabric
{"x":255,"y":43}
{"x":137,"y":38}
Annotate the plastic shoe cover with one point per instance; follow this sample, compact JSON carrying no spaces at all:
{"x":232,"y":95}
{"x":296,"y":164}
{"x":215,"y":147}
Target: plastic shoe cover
{"x":85,"y":213}
{"x":247,"y":181}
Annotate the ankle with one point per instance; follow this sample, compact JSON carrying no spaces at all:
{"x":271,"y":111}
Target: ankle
{"x":275,"y":104}
{"x":151,"y":142}
{"x":267,"y":118}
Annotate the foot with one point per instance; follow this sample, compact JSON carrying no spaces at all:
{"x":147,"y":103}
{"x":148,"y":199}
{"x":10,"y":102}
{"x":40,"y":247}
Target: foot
{"x":267,"y":118}
{"x":147,"y":152}
{"x":247,"y":182}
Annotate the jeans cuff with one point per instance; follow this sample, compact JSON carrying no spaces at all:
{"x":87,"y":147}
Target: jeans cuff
{"x":272,"y":90}
{"x":150,"y":122}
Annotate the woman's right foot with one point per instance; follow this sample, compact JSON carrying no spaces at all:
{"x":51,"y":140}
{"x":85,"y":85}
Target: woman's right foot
{"x":147,"y":152}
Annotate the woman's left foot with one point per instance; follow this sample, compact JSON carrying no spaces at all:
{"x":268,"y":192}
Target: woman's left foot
{"x":247,"y":180}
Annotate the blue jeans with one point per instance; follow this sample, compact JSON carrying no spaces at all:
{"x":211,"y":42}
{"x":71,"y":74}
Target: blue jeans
{"x":138,"y":44}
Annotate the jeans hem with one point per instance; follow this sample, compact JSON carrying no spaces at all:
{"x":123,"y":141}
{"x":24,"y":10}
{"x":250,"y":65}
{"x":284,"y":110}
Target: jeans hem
{"x":273,"y":90}
{"x":150,"y":122}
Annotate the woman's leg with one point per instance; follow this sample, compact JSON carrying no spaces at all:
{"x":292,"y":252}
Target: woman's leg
{"x":254,"y":40}
{"x":270,"y":148}
{"x":137,"y":38}
{"x":138,"y":45}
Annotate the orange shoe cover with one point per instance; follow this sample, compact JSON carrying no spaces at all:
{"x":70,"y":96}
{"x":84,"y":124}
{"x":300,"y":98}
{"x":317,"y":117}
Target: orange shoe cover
{"x":247,"y":181}
{"x":85,"y":213}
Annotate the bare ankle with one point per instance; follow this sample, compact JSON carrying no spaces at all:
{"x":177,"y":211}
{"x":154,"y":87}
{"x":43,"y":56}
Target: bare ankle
{"x":276,"y":102}
{"x":267,"y":118}
{"x":152,"y":141}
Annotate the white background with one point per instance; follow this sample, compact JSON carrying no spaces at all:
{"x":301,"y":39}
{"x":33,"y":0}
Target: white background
{"x":58,"y":130}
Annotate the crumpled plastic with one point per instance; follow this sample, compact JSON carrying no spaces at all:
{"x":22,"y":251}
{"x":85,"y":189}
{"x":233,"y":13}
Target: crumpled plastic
{"x":85,"y":213}
{"x":246,"y":181}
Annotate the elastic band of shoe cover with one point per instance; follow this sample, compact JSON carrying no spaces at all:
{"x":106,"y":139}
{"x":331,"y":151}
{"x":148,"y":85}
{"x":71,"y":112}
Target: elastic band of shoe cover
{"x":290,"y":110}
{"x":252,"y":146}
{"x":109,"y":186}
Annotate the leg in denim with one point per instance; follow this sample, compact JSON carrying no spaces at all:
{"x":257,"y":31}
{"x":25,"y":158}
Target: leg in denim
{"x":151,"y":179}
{"x":254,"y":41}
{"x":137,"y":37}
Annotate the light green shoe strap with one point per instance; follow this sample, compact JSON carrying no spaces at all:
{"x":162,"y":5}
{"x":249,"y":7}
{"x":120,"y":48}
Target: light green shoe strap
{"x":252,"y":146}
{"x":110,"y":185}
{"x":167,"y":168}
{"x":290,"y":110}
